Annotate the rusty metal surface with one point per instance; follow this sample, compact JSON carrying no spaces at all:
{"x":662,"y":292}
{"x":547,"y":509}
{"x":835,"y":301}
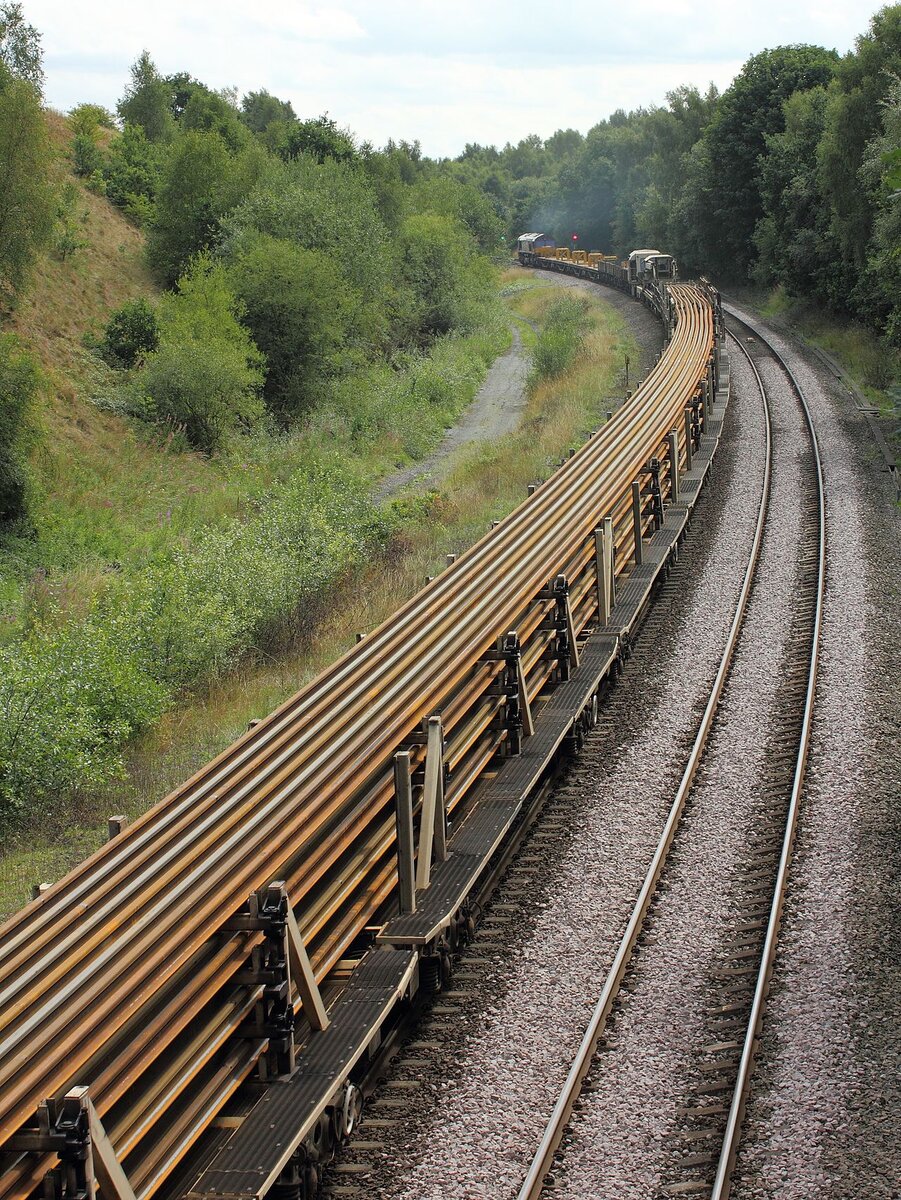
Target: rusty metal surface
{"x":121,"y":976}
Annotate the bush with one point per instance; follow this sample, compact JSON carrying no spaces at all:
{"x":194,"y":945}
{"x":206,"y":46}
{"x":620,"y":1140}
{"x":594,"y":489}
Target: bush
{"x":132,"y":173}
{"x":206,"y":389}
{"x":87,"y":157}
{"x":18,"y":386}
{"x":298,"y":307}
{"x":27,"y":200}
{"x":87,"y":119}
{"x":131,"y":333}
{"x":69,"y":699}
{"x":206,"y":373}
{"x":560,"y":339}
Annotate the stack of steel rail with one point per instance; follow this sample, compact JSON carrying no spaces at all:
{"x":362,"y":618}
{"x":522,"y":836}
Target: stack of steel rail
{"x":130,"y":976}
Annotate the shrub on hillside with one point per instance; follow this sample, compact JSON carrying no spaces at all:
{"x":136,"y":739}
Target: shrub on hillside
{"x":87,"y":157}
{"x":71,"y":697}
{"x":131,"y":333}
{"x":18,"y":386}
{"x":132,"y":173}
{"x":298,"y":307}
{"x":27,"y":200}
{"x":206,"y":372}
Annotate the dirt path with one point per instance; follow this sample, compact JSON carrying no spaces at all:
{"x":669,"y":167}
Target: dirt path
{"x":494,"y":412}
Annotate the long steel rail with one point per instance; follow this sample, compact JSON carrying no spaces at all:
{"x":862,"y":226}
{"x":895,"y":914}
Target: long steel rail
{"x":732,"y":1136}
{"x":555,"y":1128}
{"x":123,"y":976}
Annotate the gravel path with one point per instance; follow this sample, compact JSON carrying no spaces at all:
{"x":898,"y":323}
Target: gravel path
{"x":486,"y":1092}
{"x":617,"y":1145}
{"x":501,"y":399}
{"x":823,"y":1119}
{"x":494,"y":412}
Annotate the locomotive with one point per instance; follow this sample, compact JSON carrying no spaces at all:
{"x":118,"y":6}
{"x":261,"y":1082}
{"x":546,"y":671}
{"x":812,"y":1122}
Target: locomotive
{"x":643,"y":267}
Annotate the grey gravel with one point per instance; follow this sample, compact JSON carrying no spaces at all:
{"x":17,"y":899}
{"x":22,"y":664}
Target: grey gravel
{"x":495,"y":411}
{"x":485,"y":1101}
{"x":616,"y":1145}
{"x":823,"y":1121}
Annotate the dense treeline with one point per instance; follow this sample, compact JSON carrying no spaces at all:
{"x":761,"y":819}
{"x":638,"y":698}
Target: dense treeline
{"x":295,"y":256}
{"x":790,"y":177}
{"x":318,"y":296}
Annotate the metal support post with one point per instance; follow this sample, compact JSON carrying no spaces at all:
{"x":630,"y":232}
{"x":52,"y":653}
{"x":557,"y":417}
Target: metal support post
{"x":567,"y":646}
{"x":279,"y":964}
{"x":688,"y":437}
{"x":606,"y":570}
{"x":653,"y":469}
{"x":672,"y":441}
{"x":517,"y":711}
{"x":302,"y":974}
{"x":403,"y":792}
{"x":433,"y":821}
{"x":71,"y":1128}
{"x":514,"y":660}
{"x":611,"y":559}
{"x":636,"y":521}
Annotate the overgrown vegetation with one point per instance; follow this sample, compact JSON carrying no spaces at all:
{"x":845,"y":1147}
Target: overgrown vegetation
{"x":167,"y":504}
{"x":558,"y":342}
{"x":790,"y":177}
{"x":410,"y":541}
{"x":18,"y":388}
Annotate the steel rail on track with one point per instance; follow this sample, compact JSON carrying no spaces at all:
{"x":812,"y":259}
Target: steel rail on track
{"x":728,"y":1153}
{"x":556,"y":1126}
{"x":115,"y":971}
{"x":554,"y":1131}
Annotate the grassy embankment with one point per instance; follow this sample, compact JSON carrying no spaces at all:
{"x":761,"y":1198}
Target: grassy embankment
{"x":150,"y":480}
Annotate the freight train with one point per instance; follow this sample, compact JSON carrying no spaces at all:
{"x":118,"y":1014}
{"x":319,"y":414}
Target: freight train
{"x":641,"y":268}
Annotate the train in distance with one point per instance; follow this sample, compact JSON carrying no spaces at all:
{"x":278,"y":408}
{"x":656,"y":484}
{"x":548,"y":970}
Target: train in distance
{"x":641,"y":266}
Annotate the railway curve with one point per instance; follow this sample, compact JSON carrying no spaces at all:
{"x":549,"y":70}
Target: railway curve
{"x":157,"y":999}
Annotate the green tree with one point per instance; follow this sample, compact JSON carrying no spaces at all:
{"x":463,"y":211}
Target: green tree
{"x":206,"y":373}
{"x":131,"y":333}
{"x":298,"y":307}
{"x":435,"y":263}
{"x":18,"y":388}
{"x":748,"y":111}
{"x":854,"y":118}
{"x":20,"y":46}
{"x":132,"y":173}
{"x":27,"y":199}
{"x":201,"y":182}
{"x":451,"y":198}
{"x":328,"y":206}
{"x":260,"y":109}
{"x":89,"y":119}
{"x":881,"y":175}
{"x":208,"y":112}
{"x":148,"y":100}
{"x":320,"y":138}
{"x":793,"y":238}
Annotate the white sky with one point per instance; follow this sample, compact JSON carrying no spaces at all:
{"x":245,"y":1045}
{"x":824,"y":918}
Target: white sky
{"x":445,"y":73}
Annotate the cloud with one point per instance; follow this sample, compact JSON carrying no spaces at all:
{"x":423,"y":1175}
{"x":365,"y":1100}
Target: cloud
{"x":444,"y":73}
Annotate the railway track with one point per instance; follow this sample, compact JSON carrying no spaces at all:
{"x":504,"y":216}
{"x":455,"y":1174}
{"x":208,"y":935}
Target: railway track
{"x":154,"y":995}
{"x":704,"y":1148}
